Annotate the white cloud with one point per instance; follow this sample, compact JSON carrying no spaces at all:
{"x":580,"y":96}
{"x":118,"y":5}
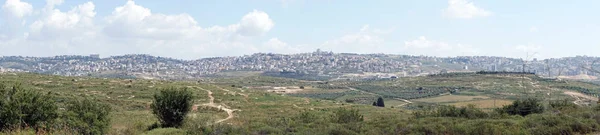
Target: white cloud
{"x":423,"y":43}
{"x":464,"y":9}
{"x":274,"y":45}
{"x":533,"y":29}
{"x":423,"y":46}
{"x":367,"y":40}
{"x":132,"y":28}
{"x":56,"y":25}
{"x":134,"y":21}
{"x":16,"y":8}
{"x":255,"y":23}
{"x":529,"y":48}
{"x":12,"y":15}
{"x":51,"y":3}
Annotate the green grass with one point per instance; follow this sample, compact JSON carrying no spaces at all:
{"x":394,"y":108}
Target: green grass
{"x":130,"y":98}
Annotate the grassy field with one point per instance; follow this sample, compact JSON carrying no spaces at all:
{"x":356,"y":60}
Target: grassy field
{"x":450,"y":98}
{"x":486,"y":104}
{"x":130,"y":98}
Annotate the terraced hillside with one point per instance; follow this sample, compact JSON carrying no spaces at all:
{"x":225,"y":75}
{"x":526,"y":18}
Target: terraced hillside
{"x":452,"y":89}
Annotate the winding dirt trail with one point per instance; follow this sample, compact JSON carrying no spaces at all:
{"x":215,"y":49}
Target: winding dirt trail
{"x":223,"y":107}
{"x":579,"y":97}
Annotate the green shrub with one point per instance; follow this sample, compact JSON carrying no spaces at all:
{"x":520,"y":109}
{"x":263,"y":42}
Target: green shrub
{"x":562,"y":105}
{"x":306,"y":117}
{"x":451,"y":111}
{"x":339,"y":130}
{"x":342,"y":115}
{"x":559,"y":124}
{"x":20,"y":108}
{"x":171,"y":106}
{"x":523,"y":107}
{"x":88,"y":117}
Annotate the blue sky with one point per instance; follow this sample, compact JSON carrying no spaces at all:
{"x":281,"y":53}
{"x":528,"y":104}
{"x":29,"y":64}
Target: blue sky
{"x":191,"y":29}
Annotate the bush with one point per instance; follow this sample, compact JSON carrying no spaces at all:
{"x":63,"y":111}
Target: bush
{"x":88,"y":117}
{"x":342,"y":115}
{"x":171,"y":106}
{"x":21,"y":108}
{"x":559,"y":124}
{"x":523,"y":107}
{"x":562,"y":105}
{"x":451,"y":111}
{"x":306,"y":117}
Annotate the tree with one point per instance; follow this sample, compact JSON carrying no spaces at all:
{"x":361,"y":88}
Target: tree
{"x":524,"y":107}
{"x":88,"y":117}
{"x":171,"y":106}
{"x":25,"y":108}
{"x":380,"y":102}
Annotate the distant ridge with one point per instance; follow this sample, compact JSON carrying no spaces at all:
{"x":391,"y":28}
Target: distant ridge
{"x":326,"y":65}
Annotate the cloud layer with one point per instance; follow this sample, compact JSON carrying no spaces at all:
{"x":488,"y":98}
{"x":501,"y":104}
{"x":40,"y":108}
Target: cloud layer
{"x":464,"y":9}
{"x":130,"y":28}
{"x":423,"y":46}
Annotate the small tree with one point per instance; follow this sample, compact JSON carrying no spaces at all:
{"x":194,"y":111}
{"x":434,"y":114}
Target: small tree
{"x":380,"y":102}
{"x":171,"y":106}
{"x":25,"y":108}
{"x":523,"y":107}
{"x":88,"y":117}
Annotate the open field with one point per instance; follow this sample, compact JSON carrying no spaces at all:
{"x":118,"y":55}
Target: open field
{"x":450,"y":98}
{"x":130,"y":99}
{"x":247,"y":102}
{"x":488,"y":103}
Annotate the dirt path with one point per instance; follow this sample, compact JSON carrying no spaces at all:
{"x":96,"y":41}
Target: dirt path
{"x":404,"y":100}
{"x":223,"y":107}
{"x":234,"y":92}
{"x":579,"y":97}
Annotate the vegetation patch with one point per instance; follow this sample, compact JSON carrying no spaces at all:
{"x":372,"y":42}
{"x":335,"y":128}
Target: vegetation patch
{"x":488,"y":103}
{"x":451,"y":98}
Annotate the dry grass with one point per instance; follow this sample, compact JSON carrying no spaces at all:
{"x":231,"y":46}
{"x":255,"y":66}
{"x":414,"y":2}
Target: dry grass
{"x":488,"y":103}
{"x":450,"y":98}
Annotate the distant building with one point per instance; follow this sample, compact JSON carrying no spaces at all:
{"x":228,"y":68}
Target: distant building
{"x":466,"y":67}
{"x":444,"y":71}
{"x":494,"y":68}
{"x":97,"y":56}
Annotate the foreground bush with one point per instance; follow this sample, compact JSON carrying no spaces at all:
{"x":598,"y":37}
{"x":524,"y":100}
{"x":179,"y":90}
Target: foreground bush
{"x":451,"y":111}
{"x":88,"y":117}
{"x":343,"y":115}
{"x":544,"y":124}
{"x":523,"y":107}
{"x":171,"y":106}
{"x":22,"y":108}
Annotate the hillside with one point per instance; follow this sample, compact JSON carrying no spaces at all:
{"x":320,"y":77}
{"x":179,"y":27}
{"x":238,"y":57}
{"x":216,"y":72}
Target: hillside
{"x":262,"y":104}
{"x":130,"y":99}
{"x":306,"y":66}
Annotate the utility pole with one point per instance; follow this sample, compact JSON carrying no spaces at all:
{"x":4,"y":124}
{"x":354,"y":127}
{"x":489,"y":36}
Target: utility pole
{"x":527,"y":56}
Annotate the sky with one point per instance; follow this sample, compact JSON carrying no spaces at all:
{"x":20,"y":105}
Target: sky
{"x":193,"y":29}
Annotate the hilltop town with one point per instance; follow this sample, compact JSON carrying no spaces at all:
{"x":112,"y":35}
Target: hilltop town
{"x":328,"y":65}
